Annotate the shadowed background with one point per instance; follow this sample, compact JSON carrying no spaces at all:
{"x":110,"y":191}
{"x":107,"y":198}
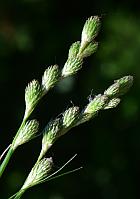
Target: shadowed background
{"x":37,"y":33}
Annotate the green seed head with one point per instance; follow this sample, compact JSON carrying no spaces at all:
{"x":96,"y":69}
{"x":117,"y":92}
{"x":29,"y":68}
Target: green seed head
{"x":26,"y":133}
{"x":112,"y":103}
{"x":33,"y":93}
{"x":71,"y":66}
{"x":91,"y":110}
{"x":70,"y":117}
{"x":90,"y":30}
{"x":74,"y":49}
{"x":39,"y":173}
{"x":50,"y":134}
{"x":120,"y":87}
{"x":50,"y":77}
{"x":96,"y":104}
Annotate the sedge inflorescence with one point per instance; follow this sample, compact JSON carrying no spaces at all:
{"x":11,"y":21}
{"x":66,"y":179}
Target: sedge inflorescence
{"x":72,"y":116}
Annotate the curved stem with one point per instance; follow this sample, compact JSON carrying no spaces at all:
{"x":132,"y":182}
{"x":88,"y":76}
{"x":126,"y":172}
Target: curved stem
{"x":4,"y":152}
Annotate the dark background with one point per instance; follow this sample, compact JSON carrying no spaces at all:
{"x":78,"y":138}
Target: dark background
{"x":37,"y":33}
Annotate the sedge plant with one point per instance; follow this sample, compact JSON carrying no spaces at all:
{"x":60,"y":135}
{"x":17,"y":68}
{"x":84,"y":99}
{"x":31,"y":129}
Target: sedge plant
{"x":71,"y":117}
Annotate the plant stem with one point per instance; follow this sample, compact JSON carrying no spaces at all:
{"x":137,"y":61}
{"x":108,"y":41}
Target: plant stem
{"x":17,"y":195}
{"x":10,"y":151}
{"x":4,"y":152}
{"x":6,"y":160}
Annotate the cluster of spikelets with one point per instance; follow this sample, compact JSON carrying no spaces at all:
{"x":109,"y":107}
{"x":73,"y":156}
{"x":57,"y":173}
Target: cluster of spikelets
{"x":70,"y":118}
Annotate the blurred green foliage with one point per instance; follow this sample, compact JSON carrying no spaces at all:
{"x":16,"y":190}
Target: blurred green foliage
{"x":37,"y":33}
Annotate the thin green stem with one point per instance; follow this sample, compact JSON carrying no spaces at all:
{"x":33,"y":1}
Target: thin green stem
{"x":10,"y":151}
{"x":6,"y":160}
{"x":17,"y":195}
